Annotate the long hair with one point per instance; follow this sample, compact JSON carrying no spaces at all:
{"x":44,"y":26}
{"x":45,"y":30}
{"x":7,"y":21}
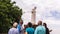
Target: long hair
{"x":44,"y":24}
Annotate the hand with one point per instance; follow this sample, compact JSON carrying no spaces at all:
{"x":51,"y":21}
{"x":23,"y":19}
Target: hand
{"x":50,"y":30}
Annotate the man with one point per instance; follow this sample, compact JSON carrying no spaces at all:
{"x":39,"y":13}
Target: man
{"x":20,"y":28}
{"x":14,"y":30}
{"x":40,"y":29}
{"x":29,"y":30}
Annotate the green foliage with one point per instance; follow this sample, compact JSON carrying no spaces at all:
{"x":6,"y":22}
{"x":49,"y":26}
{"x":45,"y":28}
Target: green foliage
{"x":8,"y":13}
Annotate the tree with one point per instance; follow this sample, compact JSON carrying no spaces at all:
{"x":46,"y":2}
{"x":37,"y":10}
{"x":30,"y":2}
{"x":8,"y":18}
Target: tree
{"x":8,"y":13}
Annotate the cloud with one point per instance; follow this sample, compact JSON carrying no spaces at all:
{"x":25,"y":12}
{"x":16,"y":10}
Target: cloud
{"x":47,"y":10}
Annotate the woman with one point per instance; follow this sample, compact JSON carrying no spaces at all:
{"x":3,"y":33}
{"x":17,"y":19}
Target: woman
{"x":47,"y":30}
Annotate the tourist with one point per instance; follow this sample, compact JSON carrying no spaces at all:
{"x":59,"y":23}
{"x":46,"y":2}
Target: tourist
{"x":25,"y":26}
{"x":47,"y":29}
{"x":14,"y":30}
{"x":29,"y":30}
{"x":20,"y":28}
{"x":40,"y":29}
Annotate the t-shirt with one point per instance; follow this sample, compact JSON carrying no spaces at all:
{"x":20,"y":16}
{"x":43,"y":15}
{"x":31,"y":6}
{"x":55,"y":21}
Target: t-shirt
{"x":30,"y":30}
{"x":19,"y":27}
{"x":47,"y":31}
{"x":13,"y":31}
{"x":40,"y":30}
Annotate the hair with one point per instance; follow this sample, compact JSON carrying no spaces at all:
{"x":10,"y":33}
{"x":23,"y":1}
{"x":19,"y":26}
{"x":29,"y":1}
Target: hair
{"x":15,"y":24}
{"x":44,"y":24}
{"x":40,"y":23}
{"x":29,"y":24}
{"x":21,"y":22}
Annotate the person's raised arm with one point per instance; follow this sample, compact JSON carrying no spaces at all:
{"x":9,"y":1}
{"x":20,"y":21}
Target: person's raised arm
{"x":50,"y":30}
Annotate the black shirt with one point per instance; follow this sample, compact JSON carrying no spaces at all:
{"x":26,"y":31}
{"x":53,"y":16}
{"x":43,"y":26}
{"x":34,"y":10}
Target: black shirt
{"x":47,"y":31}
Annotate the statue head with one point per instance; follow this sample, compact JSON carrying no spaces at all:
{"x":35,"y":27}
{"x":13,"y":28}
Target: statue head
{"x":34,"y":8}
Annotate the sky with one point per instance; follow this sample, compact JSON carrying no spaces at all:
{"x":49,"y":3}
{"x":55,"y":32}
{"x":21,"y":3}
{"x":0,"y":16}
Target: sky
{"x":47,"y":10}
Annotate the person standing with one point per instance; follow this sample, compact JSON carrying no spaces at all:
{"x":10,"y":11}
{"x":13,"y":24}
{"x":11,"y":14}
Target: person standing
{"x":47,"y":29}
{"x":13,"y":30}
{"x":40,"y":29}
{"x":29,"y":30}
{"x":20,"y":28}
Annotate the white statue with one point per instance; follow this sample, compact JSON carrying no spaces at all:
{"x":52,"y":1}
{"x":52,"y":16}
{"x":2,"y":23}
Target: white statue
{"x":33,"y":17}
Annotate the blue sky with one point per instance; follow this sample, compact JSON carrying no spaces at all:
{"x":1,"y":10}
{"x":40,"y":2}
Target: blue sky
{"x":55,"y":14}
